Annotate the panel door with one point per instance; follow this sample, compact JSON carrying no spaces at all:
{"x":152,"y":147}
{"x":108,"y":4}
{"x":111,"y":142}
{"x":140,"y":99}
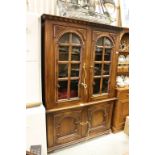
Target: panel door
{"x":102,"y":68}
{"x":99,"y":118}
{"x":67,"y":127}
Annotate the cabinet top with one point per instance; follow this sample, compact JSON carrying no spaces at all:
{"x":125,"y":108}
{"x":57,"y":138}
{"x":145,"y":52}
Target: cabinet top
{"x":45,"y":17}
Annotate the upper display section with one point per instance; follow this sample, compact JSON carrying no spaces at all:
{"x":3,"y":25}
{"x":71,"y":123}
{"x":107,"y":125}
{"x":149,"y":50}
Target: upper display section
{"x":78,"y":61}
{"x":123,"y":61}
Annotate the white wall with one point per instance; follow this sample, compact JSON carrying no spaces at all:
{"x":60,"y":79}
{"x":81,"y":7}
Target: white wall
{"x":35,"y":8}
{"x":35,"y":117}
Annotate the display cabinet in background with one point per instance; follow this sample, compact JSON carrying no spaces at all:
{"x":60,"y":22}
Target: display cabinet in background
{"x":121,"y":106}
{"x":79,"y":62}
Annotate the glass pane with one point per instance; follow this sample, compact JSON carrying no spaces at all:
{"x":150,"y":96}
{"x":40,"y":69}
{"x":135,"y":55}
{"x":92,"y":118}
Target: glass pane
{"x":74,"y":88}
{"x":107,"y":55}
{"x":100,"y":42}
{"x":107,"y":42}
{"x":64,"y":38}
{"x":75,"y":70}
{"x":106,"y":70}
{"x":75,"y":39}
{"x":98,"y":54}
{"x":62,"y":89}
{"x":97,"y":69}
{"x":63,"y":70}
{"x":105,"y":85}
{"x":63,"y":53}
{"x":96,"y":86}
{"x":76,"y":53}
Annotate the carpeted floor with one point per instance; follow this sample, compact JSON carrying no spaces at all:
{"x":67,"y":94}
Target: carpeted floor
{"x":112,"y":144}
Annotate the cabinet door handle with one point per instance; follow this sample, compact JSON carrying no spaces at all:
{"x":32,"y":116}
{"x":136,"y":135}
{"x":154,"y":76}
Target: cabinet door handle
{"x":84,"y":79}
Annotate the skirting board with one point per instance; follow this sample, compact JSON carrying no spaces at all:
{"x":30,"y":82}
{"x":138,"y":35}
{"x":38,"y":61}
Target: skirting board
{"x":33,"y":104}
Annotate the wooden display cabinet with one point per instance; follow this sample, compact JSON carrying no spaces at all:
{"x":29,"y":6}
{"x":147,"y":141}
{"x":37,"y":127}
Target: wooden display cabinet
{"x":78,"y":75}
{"x":121,"y":106}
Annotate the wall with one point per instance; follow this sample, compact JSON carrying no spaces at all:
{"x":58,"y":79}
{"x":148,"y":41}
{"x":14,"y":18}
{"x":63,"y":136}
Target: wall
{"x":35,"y":117}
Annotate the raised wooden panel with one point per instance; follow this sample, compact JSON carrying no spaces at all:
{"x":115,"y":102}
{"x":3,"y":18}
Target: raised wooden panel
{"x":60,"y":30}
{"x":67,"y":126}
{"x":123,"y":94}
{"x":121,"y":110}
{"x":124,"y":109}
{"x":99,"y":117}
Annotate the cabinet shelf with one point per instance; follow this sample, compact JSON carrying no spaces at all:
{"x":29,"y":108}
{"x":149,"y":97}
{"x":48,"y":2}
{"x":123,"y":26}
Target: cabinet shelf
{"x":124,"y":52}
{"x":124,"y":68}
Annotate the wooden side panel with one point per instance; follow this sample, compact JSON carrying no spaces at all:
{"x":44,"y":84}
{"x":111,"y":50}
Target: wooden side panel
{"x":121,"y":110}
{"x":50,"y":130}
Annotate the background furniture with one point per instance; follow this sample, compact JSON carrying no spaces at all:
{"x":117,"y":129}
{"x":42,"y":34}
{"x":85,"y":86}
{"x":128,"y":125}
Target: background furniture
{"x":121,"y":107}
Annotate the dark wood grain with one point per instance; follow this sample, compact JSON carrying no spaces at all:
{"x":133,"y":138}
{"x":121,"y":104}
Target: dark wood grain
{"x":73,"y":120}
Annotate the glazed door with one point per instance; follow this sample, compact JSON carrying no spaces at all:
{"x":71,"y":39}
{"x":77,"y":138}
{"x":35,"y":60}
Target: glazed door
{"x":70,"y":66}
{"x":102,"y":66}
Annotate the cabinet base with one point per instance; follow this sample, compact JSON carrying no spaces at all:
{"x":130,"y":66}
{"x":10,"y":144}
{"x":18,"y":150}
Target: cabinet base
{"x":117,"y":129}
{"x":52,"y":149}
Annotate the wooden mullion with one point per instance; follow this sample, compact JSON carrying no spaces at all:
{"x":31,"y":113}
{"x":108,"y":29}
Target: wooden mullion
{"x":97,"y":76}
{"x":63,"y":79}
{"x":69,"y":65}
{"x":99,"y":46}
{"x":75,"y":78}
{"x":103,"y":51}
{"x":98,"y":62}
{"x":67,"y":44}
{"x":76,"y":62}
{"x":62,"y":62}
{"x":105,"y":76}
{"x":107,"y":62}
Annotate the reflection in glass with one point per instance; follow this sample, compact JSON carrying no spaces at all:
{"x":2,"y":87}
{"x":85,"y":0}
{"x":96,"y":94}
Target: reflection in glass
{"x":104,"y":41}
{"x":62,"y":89}
{"x":96,"y":86}
{"x":63,"y":70}
{"x":74,"y":88}
{"x":76,"y":53}
{"x":63,"y":53}
{"x":105,"y":85}
{"x":75,"y":39}
{"x":97,"y":69}
{"x":107,"y":42}
{"x":75,"y":70}
{"x":100,"y":42}
{"x":64,"y":38}
{"x":107,"y":55}
{"x":106,"y":69}
{"x":98,"y":54}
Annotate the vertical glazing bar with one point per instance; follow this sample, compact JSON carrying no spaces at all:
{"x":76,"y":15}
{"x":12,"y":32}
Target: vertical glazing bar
{"x":103,"y":52}
{"x":69,"y":65}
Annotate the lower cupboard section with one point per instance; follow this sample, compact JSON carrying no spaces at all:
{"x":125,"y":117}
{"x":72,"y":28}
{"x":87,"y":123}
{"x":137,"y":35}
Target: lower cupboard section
{"x":74,"y":125}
